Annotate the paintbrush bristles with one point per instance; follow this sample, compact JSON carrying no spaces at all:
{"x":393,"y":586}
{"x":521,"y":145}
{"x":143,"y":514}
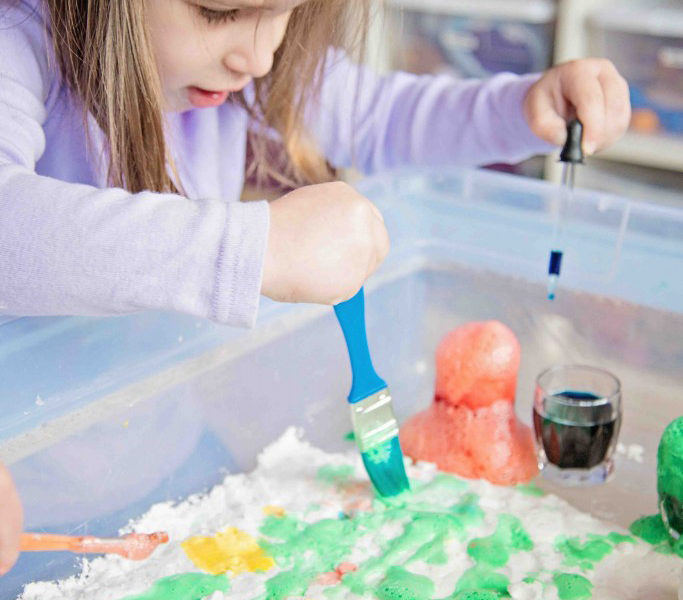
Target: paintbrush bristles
{"x":376,"y":431}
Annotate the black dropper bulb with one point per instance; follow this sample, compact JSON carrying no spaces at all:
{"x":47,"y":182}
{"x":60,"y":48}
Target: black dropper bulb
{"x":572,"y":151}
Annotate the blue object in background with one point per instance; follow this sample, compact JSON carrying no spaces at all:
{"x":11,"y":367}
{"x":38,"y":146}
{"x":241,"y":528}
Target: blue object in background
{"x":670,"y":119}
{"x":471,"y":45}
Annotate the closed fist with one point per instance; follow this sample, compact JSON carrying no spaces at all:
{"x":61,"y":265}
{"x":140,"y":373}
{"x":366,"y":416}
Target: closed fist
{"x":590,"y":89}
{"x":324,"y":242}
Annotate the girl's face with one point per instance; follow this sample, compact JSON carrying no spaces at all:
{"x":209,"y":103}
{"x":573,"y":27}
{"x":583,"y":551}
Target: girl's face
{"x":206,"y":49}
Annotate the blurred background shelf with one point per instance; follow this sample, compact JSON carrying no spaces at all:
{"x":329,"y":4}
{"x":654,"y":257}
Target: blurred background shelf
{"x":660,"y":151}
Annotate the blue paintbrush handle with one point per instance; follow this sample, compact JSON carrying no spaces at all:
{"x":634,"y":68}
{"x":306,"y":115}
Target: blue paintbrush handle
{"x":351,"y":317}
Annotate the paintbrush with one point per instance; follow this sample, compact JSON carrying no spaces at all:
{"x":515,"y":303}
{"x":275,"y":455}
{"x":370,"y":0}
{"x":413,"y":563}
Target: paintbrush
{"x":372,"y":415}
{"x":135,"y":546}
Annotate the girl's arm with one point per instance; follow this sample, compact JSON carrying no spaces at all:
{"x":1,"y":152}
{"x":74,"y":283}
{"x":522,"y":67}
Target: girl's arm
{"x":67,"y":248}
{"x":403,"y":119}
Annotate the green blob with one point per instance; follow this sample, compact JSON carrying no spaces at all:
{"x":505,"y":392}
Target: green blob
{"x":530,"y":489}
{"x":677,"y":546}
{"x":670,"y":462}
{"x":327,"y":542}
{"x":670,"y":476}
{"x":482,"y":578}
{"x":468,"y":510}
{"x":335,"y":473}
{"x":651,"y":529}
{"x":188,"y":586}
{"x":287,"y":584}
{"x":672,"y":507}
{"x":477,"y":595}
{"x":350,"y":436}
{"x":281,"y":528}
{"x":583,"y":554}
{"x":432,"y":553}
{"x":495,"y":550}
{"x":305,"y":550}
{"x":572,"y":587}
{"x":620,"y":538}
{"x":399,"y":584}
{"x":664,"y":548}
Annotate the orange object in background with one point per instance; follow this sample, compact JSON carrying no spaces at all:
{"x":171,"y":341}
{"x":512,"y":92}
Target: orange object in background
{"x":644,"y":120}
{"x":471,"y":428}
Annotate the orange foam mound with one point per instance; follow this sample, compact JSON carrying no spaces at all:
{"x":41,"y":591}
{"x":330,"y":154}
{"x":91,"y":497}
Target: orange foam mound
{"x":477,"y":364}
{"x":486,"y":443}
{"x":471,"y":428}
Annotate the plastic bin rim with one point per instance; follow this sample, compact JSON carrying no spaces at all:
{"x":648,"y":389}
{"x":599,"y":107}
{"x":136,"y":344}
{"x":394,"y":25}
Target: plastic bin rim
{"x":529,"y":11}
{"x":539,"y":186}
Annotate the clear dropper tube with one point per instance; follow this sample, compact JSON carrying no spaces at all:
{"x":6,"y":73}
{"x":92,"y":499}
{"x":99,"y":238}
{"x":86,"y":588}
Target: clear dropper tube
{"x":570,"y":156}
{"x":557,"y":240}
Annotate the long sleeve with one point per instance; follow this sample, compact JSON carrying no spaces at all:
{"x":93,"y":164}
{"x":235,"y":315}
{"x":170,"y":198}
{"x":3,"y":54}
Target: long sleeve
{"x":70,"y":248}
{"x":403,"y":119}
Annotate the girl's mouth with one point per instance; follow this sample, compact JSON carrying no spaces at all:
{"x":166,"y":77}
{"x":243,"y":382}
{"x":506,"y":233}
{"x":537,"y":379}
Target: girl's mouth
{"x":201,"y":98}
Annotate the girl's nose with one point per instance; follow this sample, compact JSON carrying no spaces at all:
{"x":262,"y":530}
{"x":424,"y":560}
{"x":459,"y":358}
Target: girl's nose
{"x":253,"y":54}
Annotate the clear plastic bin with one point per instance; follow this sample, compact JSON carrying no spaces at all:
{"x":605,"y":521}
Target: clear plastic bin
{"x":471,"y":38}
{"x":646,"y":44}
{"x":103,"y":417}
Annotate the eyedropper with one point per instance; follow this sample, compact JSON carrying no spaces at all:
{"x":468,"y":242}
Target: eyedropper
{"x":571,"y":155}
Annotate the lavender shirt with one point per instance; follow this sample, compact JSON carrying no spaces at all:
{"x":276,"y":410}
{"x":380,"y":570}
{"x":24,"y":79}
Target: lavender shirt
{"x":69,"y":244}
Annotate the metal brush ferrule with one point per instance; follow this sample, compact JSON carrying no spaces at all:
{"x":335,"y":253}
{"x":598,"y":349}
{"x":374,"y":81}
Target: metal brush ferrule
{"x":373,"y":420}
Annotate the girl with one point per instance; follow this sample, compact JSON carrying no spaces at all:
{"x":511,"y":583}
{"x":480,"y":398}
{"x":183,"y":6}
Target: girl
{"x":123,"y":134}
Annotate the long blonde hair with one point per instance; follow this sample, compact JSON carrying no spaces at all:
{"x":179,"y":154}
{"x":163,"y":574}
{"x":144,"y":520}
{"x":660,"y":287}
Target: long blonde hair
{"x":104,"y":54}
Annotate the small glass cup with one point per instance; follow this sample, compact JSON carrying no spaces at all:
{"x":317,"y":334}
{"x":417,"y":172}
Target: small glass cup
{"x":577,"y":417}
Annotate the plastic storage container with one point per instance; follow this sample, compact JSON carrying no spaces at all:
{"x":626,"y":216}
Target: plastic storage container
{"x":100,"y":418}
{"x":472,"y":38}
{"x":646,"y":44}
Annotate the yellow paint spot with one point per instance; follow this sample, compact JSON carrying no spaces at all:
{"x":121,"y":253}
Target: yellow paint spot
{"x":231,"y":550}
{"x":273,"y":511}
{"x":125,"y":423}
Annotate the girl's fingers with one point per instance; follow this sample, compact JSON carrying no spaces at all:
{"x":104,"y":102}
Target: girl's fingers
{"x":590,"y":89}
{"x":583,"y":88}
{"x":544,"y":112}
{"x":10,"y":521}
{"x":617,"y":105}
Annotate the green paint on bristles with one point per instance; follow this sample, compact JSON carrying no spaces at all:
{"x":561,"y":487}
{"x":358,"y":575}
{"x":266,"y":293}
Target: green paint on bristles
{"x":384,"y":464}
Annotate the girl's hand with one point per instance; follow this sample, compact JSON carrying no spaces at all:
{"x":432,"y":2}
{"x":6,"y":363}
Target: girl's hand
{"x":590,"y":89}
{"x":11,"y":520}
{"x":324,"y":242}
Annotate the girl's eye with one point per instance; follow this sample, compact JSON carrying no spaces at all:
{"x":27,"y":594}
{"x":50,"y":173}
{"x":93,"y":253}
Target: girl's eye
{"x":218,"y":16}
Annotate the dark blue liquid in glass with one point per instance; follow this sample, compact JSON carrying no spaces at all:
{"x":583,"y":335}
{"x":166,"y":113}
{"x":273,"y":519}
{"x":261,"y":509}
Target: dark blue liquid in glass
{"x":574,"y":436}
